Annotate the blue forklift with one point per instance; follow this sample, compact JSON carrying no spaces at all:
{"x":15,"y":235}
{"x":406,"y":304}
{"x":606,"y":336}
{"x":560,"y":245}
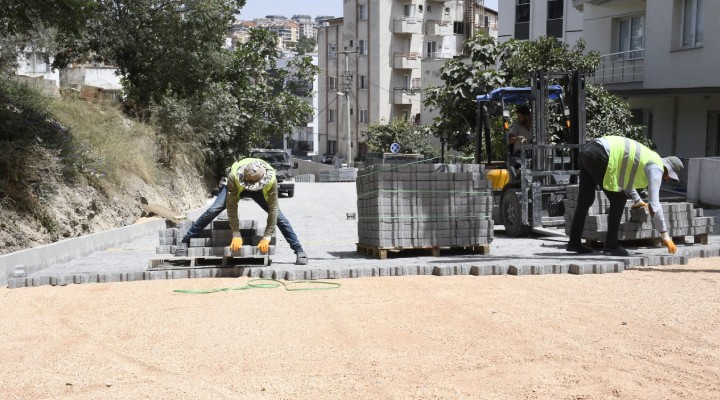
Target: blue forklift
{"x":529,"y":197}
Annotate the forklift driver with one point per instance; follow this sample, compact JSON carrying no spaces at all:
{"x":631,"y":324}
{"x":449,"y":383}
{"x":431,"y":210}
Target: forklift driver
{"x":521,"y":130}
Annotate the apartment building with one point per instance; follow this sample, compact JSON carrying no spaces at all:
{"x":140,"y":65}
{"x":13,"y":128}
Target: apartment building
{"x":374,"y":59}
{"x":660,"y":56}
{"x":307,"y":27}
{"x":531,"y":19}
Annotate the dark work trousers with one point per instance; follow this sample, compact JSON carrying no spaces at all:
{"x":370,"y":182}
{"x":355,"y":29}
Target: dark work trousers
{"x":593,"y":163}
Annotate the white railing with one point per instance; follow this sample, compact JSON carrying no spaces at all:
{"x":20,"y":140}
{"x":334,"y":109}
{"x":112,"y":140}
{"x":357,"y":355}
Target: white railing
{"x":623,"y":67}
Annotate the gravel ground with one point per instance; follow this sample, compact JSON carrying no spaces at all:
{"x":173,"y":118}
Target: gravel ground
{"x":651,"y":333}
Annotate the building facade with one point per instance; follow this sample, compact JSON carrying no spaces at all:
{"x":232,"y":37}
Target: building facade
{"x":372,"y":62}
{"x":531,"y":19}
{"x":659,"y":56}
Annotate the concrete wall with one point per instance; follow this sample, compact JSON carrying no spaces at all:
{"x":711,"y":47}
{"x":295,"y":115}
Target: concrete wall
{"x":309,"y":167}
{"x":703,"y":184}
{"x":664,"y":55}
{"x":38,"y":258}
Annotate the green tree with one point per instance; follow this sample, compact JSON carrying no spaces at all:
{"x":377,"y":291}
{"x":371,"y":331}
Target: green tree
{"x":464,"y":79}
{"x":252,"y":103}
{"x":158,"y":45}
{"x":271,"y":101}
{"x":411,"y":138}
{"x":305,"y":45}
{"x":20,"y":17}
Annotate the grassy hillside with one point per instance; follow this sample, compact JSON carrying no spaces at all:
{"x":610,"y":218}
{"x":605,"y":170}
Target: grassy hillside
{"x":70,"y":166}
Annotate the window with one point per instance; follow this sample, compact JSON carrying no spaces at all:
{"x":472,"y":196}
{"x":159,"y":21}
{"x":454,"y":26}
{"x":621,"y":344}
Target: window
{"x":331,"y":147}
{"x":522,"y":19}
{"x":363,"y":47}
{"x":431,"y":49}
{"x":631,"y":38}
{"x":692,"y":27}
{"x":408,"y":10}
{"x":363,"y":82}
{"x":332,"y":115}
{"x":645,"y":119}
{"x":332,"y":50}
{"x":362,"y":12}
{"x":363,"y":116}
{"x":712,"y":140}
{"x":332,"y":83}
{"x":459,"y":28}
{"x":429,"y":8}
{"x":555,"y":18}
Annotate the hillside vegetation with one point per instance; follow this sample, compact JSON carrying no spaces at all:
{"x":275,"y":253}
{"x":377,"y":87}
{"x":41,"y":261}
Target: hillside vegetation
{"x":70,"y":166}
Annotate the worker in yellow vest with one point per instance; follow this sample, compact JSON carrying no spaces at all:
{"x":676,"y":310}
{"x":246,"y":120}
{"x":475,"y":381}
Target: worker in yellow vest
{"x":253,"y":178}
{"x":621,"y":165}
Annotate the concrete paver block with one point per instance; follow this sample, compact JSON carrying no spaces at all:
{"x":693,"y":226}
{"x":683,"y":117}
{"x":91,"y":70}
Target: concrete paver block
{"x":579,"y":269}
{"x":19,"y":271}
{"x":83,"y":278}
{"x":179,"y":274}
{"x":60,"y":280}
{"x":481,"y":270}
{"x":133,"y":276}
{"x":14,"y":283}
{"x":40,"y":281}
{"x":155,"y":275}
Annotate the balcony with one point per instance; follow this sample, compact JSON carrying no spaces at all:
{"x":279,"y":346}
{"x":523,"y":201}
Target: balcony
{"x":624,"y":67}
{"x":407,"y":25}
{"x":406,"y":96}
{"x":406,"y":61}
{"x":439,"y":28}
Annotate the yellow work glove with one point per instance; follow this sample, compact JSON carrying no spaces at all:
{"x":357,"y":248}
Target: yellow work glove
{"x":639,"y":204}
{"x":668,"y":242}
{"x":264,"y":245}
{"x":236,"y":244}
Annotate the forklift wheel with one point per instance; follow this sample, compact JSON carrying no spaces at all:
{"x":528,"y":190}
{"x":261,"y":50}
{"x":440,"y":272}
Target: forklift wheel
{"x":511,"y":214}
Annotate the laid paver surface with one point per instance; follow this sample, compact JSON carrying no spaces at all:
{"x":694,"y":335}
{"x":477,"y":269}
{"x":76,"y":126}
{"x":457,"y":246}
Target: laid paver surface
{"x":319,"y":214}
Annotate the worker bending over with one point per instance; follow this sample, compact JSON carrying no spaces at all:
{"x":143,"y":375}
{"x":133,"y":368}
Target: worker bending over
{"x":621,"y":165}
{"x":253,"y":178}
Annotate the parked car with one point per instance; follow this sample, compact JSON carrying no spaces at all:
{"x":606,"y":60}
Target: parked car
{"x":279,"y":160}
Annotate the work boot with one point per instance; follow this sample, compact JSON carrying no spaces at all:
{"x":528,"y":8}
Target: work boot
{"x":618,"y":251}
{"x":301,"y":258}
{"x":578,"y":248}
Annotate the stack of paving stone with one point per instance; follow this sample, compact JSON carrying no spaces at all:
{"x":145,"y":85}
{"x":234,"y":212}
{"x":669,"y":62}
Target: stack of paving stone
{"x":422,"y":205}
{"x":214,"y":240}
{"x":682,"y":219}
{"x":328,"y":175}
{"x":305,"y":178}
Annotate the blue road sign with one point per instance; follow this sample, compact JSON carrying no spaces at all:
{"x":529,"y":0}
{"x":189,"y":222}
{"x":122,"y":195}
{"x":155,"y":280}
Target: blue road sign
{"x":395,"y":147}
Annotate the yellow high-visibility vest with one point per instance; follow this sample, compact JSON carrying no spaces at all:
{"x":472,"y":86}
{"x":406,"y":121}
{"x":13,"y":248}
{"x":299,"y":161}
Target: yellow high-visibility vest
{"x":626,"y":164}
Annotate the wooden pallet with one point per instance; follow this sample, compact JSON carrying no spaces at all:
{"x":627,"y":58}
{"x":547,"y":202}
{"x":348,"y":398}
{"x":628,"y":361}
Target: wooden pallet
{"x":651,"y":242}
{"x":382,"y":253}
{"x":200,"y":262}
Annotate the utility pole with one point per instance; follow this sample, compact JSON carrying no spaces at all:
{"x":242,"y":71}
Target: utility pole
{"x":347,"y":79}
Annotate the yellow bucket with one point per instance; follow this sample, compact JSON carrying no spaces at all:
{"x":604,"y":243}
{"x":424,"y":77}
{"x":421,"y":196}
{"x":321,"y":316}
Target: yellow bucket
{"x":498,"y":178}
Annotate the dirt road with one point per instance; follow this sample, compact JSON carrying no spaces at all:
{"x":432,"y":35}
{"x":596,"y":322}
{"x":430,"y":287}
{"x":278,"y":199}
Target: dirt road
{"x":642,"y":334}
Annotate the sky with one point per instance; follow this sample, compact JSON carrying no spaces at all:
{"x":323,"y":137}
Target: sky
{"x":260,"y":8}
